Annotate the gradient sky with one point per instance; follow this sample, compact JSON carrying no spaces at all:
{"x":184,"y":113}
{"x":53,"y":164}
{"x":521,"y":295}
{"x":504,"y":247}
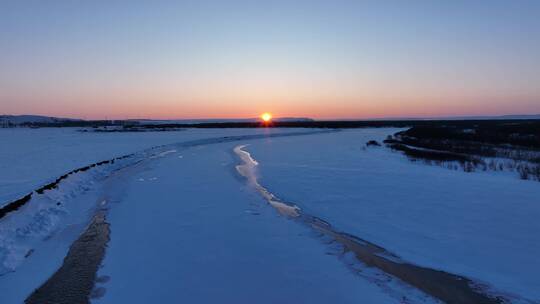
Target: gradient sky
{"x":322,"y":59}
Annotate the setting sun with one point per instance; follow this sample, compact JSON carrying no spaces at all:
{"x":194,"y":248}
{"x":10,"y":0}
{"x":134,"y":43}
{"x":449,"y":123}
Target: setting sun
{"x":266,"y":117}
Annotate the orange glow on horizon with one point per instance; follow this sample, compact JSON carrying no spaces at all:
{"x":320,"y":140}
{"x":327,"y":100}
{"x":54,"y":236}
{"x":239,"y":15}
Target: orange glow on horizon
{"x":96,"y":106}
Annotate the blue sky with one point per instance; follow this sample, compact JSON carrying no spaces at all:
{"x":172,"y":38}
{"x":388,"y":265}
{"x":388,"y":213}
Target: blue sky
{"x":324,"y":59}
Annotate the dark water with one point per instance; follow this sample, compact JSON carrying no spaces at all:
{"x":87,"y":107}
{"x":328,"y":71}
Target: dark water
{"x":74,"y":281}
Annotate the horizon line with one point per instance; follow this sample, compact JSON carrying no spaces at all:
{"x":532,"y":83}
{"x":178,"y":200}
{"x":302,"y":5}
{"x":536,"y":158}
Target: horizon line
{"x":434,"y":117}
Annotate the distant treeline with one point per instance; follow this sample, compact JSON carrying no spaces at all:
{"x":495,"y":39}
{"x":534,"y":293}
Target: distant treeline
{"x":462,"y":124}
{"x":491,"y":145}
{"x":74,"y":123}
{"x":525,"y":134}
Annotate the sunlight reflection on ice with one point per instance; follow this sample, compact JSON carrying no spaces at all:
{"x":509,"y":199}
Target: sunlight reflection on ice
{"x":248,"y":170}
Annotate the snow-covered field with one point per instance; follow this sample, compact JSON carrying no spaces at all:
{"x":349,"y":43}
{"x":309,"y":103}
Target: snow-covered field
{"x":481,"y":225}
{"x":187,"y":227}
{"x":32,"y":157}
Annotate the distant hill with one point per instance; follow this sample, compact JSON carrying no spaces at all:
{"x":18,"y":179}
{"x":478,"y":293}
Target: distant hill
{"x":478,"y":117}
{"x":516,"y":116}
{"x":38,"y":120}
{"x":29,"y":119}
{"x":528,"y":116}
{"x":48,"y":121}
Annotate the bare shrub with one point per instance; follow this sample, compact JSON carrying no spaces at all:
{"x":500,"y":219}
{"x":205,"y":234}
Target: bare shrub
{"x":523,"y":172}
